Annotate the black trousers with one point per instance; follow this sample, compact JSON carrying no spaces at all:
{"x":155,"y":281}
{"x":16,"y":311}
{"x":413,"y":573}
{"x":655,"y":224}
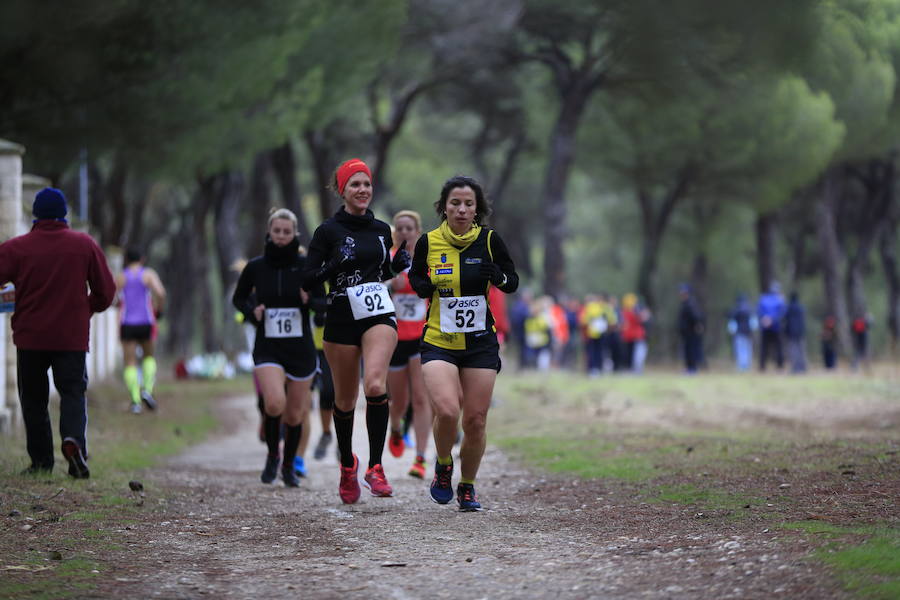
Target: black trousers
{"x":770,"y":344}
{"x":70,"y":378}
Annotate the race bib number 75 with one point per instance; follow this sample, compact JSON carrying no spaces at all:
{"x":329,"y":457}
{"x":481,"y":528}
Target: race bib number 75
{"x":369,"y":300}
{"x":463,"y":315}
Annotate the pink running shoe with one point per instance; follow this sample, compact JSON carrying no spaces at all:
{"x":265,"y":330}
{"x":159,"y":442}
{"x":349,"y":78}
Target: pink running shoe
{"x":348,"y":489}
{"x":377,"y":482}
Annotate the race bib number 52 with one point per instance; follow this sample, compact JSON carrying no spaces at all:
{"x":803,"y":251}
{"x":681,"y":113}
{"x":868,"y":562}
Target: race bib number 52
{"x":463,"y":315}
{"x":369,"y":300}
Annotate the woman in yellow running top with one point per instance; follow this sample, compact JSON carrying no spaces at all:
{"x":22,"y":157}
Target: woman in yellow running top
{"x":454,"y":266}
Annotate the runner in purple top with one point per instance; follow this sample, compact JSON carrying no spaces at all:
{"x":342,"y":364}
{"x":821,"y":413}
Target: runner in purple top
{"x":141,"y":298}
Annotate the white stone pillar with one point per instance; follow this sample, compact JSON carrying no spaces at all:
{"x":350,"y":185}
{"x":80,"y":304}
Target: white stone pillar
{"x":10,"y":217}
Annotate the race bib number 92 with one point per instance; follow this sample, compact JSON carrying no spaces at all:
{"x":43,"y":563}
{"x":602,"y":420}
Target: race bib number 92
{"x":369,"y":300}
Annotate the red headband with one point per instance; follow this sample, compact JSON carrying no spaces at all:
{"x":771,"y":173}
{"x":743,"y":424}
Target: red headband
{"x":348,"y":169}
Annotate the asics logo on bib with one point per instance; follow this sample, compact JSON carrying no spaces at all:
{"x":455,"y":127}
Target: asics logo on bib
{"x":472,"y":303}
{"x":365,"y":289}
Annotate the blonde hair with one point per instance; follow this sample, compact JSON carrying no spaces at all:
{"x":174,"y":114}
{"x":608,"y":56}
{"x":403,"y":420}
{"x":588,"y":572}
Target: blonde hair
{"x":410,"y":214}
{"x":282,"y":213}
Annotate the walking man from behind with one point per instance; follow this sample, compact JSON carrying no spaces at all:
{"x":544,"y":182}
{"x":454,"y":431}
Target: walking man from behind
{"x":61,"y":279}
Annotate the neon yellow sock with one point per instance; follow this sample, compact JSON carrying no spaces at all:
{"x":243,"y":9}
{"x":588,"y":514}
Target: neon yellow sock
{"x":448,"y":460}
{"x":149,"y":368}
{"x":130,"y":375}
{"x":469,"y":481}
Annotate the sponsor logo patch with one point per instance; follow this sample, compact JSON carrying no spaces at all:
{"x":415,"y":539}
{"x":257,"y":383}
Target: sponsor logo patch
{"x":473,"y":261}
{"x":445,"y":271}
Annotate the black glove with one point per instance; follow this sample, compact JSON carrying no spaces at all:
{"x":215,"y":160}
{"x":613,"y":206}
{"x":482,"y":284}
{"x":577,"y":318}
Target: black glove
{"x":426,"y":289}
{"x":492,"y":273}
{"x":401,"y":260}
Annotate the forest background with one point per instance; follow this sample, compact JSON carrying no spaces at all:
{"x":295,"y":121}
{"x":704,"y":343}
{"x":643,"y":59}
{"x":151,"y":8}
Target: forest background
{"x":627,"y":145}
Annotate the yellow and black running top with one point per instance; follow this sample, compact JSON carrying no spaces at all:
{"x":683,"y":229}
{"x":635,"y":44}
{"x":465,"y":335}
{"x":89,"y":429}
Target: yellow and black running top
{"x":456,"y":278}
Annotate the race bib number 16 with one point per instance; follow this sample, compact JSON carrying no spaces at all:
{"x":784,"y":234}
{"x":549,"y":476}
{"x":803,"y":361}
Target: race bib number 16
{"x":463,"y":315}
{"x":283,"y":323}
{"x":369,"y":300}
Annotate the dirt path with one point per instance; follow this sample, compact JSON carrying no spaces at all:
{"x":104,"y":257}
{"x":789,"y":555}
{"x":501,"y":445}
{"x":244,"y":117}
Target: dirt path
{"x":227,"y":535}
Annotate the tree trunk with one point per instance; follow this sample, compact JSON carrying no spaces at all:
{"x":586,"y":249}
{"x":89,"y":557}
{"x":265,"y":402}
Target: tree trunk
{"x":765,"y":250}
{"x":553,"y":195}
{"x":202,"y":266}
{"x":229,"y":190}
{"x":512,"y":221}
{"x":285,"y":167}
{"x":831,"y":257}
{"x":179,"y":276}
{"x":888,"y":249}
{"x":323,"y":167}
{"x":259,"y":204}
{"x":109,"y":205}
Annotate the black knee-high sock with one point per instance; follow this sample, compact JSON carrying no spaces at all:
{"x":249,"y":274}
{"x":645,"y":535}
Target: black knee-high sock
{"x":273,"y":433}
{"x":261,"y":404}
{"x":377,"y":417}
{"x":343,"y":430}
{"x":292,"y":435}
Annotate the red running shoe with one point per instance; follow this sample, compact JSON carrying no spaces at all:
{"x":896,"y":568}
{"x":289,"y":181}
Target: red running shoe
{"x":395,"y":444}
{"x":377,"y":482}
{"x":348,"y":489}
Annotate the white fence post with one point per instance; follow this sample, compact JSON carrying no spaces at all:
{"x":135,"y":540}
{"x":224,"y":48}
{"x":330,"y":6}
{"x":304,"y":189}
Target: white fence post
{"x":10,"y":215}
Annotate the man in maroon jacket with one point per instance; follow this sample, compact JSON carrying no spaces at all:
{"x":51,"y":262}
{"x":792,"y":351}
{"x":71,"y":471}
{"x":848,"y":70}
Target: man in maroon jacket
{"x":52,"y":268}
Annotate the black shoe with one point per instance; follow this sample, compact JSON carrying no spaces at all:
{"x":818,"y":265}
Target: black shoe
{"x":270,"y":472}
{"x":322,"y":446}
{"x":147,"y":397}
{"x":78,"y":467}
{"x":37,"y":470}
{"x":289,"y":476}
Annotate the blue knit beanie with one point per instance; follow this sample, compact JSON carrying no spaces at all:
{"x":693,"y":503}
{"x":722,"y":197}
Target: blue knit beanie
{"x":50,"y":203}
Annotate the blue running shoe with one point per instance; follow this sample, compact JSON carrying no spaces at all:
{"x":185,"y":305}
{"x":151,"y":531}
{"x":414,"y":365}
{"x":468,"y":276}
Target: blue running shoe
{"x":441,"y":485}
{"x":465,"y":497}
{"x":299,"y":466}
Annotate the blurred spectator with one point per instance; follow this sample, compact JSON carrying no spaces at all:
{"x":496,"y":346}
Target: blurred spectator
{"x":570,"y":350}
{"x":770,"y":311}
{"x":518,"y":313}
{"x":794,"y":333}
{"x":829,"y":339}
{"x":690,"y":328}
{"x":634,"y":333}
{"x":609,"y":339}
{"x":560,"y":328}
{"x":741,"y":325}
{"x":593,"y":325}
{"x":860,"y":327}
{"x":539,"y":332}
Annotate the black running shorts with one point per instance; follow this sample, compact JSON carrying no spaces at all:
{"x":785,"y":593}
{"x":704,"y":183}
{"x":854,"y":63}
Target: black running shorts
{"x":298,"y":362}
{"x":135,"y":333}
{"x":484,"y":356}
{"x":405,"y":351}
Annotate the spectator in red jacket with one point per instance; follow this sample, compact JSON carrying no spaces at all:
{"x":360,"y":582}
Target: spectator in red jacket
{"x":52,"y":268}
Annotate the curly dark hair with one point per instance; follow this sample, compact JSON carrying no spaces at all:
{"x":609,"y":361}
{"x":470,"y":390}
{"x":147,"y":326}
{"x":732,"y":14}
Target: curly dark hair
{"x":482,"y":205}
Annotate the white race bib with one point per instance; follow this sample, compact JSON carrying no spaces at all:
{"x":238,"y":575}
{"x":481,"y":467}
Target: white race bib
{"x":409,"y":307}
{"x":463,"y":315}
{"x":283,"y":323}
{"x":369,"y":300}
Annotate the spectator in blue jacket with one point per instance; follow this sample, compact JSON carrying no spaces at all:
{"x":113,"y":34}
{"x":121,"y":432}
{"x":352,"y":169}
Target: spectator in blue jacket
{"x":794,"y":333}
{"x":770,"y":311}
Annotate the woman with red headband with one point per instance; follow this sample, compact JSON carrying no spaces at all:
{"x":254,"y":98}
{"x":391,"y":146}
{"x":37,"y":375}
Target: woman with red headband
{"x":351,"y":250}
